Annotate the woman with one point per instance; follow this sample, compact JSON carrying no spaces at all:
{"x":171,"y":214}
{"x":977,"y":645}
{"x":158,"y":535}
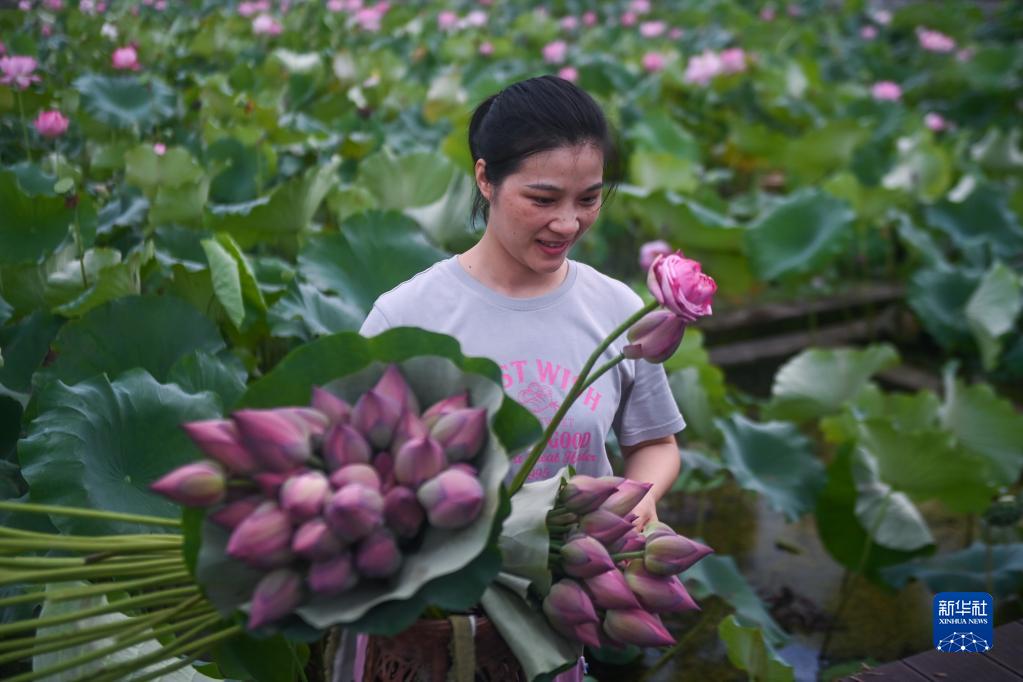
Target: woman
{"x":541,"y":148}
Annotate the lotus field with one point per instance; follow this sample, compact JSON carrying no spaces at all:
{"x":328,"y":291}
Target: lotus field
{"x":204,"y":469}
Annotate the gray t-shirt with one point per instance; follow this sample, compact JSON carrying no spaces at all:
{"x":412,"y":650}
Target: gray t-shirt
{"x":541,"y":344}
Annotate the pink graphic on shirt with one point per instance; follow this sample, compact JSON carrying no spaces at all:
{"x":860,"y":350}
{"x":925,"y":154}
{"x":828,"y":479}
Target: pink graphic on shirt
{"x":538,"y":398}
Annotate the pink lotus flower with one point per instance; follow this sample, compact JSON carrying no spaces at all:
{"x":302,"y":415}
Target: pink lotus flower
{"x":653,"y":62}
{"x":335,"y":6}
{"x":935,"y":122}
{"x":419,"y":460}
{"x":476,"y":18}
{"x":199,"y":484}
{"x":409,"y":426}
{"x":159,"y":148}
{"x":702,"y":68}
{"x":569,"y":23}
{"x":555,"y":53}
{"x":934,"y":41}
{"x":652,"y":29}
{"x":314,"y":540}
{"x":219,"y":439}
{"x":440,"y":408}
{"x":568,"y":604}
{"x":452,"y":499}
{"x":636,"y":626}
{"x":276,"y":441}
{"x":640,"y":6}
{"x":251,"y":9}
{"x":126,"y":59}
{"x":392,"y":386}
{"x":733,"y":60}
{"x":672,"y":554}
{"x":461,"y":433}
{"x":679,"y":285}
{"x":629,"y":19}
{"x":276,"y":595}
{"x":676,"y":33}
{"x":486,"y":49}
{"x":363,"y":474}
{"x":604,"y":525}
{"x":767,"y":13}
{"x":632,"y":541}
{"x":376,"y":416}
{"x":18,"y":71}
{"x":868,"y":32}
{"x":569,"y":73}
{"x":883,"y":17}
{"x":585,"y":557}
{"x":655,"y":338}
{"x":608,"y":590}
{"x":378,"y":555}
{"x":886,"y":91}
{"x":344,"y":445}
{"x":231,"y":514}
{"x":263,"y":539}
{"x":447,"y":20}
{"x":266,"y":25}
{"x":336,"y":409}
{"x":628,"y":495}
{"x":650,"y":250}
{"x":370,"y":18}
{"x":51,"y":124}
{"x":402,"y":511}
{"x":332,"y":576}
{"x":658,"y":593}
{"x":355,"y":511}
{"x":589,"y":18}
{"x":302,"y":496}
{"x":583,"y":494}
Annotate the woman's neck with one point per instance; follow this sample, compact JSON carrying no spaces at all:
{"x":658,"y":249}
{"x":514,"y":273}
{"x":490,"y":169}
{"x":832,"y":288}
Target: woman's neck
{"x":491,"y":265}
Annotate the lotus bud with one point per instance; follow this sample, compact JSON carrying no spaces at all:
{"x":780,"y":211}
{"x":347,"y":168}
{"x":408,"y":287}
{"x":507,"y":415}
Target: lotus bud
{"x":656,"y":337}
{"x":632,"y":541}
{"x":199,"y":484}
{"x":585,"y":557}
{"x":355,"y":511}
{"x":278,"y":441}
{"x":567,"y":605}
{"x":336,"y":409}
{"x":628,"y":495}
{"x":314,"y":421}
{"x":636,"y":626}
{"x":658,"y":593}
{"x":392,"y":386}
{"x":466,"y":468}
{"x":452,"y":499}
{"x":587,"y":633}
{"x":332,"y":576}
{"x":344,"y":445}
{"x":656,"y":529}
{"x":402,"y":512}
{"x":418,"y":460}
{"x":668,"y":555}
{"x":604,"y":525}
{"x":219,"y":439}
{"x":384,"y":464}
{"x":263,"y":539}
{"x":233,"y":513}
{"x":270,"y":483}
{"x":376,"y":417}
{"x":378,"y":555}
{"x":409,"y":427}
{"x":461,"y":433}
{"x":277,"y":594}
{"x":355,"y":473}
{"x":302,"y":496}
{"x":608,"y":590}
{"x":443,"y":407}
{"x":583,"y":493}
{"x":563,"y":519}
{"x":314,"y":540}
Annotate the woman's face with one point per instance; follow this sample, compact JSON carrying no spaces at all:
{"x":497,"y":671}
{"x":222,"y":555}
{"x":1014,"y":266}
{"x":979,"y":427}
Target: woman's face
{"x":541,"y":210}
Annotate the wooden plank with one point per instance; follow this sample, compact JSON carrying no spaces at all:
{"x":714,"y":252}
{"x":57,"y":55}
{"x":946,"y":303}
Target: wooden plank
{"x":938,"y":665}
{"x":1008,"y":648}
{"x":896,"y":671}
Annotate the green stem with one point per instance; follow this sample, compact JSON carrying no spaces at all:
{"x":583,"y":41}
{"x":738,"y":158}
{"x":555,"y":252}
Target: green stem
{"x":6,"y":505}
{"x":627,"y":555}
{"x":597,"y":373}
{"x":180,"y":645}
{"x":573,"y":393}
{"x":81,"y":545}
{"x":80,"y":244}
{"x":85,"y":572}
{"x":92,"y":590}
{"x":24,"y":125}
{"x":17,"y":533}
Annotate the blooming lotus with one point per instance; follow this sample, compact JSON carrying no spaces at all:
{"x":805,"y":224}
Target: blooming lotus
{"x":447,"y":20}
{"x":51,"y":124}
{"x":569,"y":73}
{"x":555,"y":52}
{"x":702,"y":68}
{"x":679,"y":285}
{"x":653,"y":62}
{"x":266,"y":25}
{"x":355,"y":511}
{"x":655,"y":337}
{"x":636,"y":626}
{"x":733,"y":60}
{"x":935,"y":41}
{"x":276,"y":595}
{"x":263,"y":539}
{"x":18,"y":71}
{"x":452,"y":499}
{"x":219,"y":439}
{"x":652,"y":29}
{"x":199,"y":484}
{"x":886,"y":91}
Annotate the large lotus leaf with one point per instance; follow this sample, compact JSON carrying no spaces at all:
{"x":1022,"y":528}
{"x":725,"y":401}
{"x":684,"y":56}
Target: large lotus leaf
{"x":100,"y":444}
{"x":685,"y":222}
{"x":822,"y":150}
{"x":719,"y":576}
{"x":33,"y":226}
{"x":982,"y":218}
{"x":998,"y":151}
{"x":979,"y":568}
{"x":127,"y":101}
{"x":25,"y":346}
{"x":525,"y":542}
{"x":658,"y":170}
{"x":374,"y":253}
{"x":246,"y":275}
{"x":992,"y":311}
{"x":400,"y":182}
{"x":749,"y":650}
{"x":659,"y":132}
{"x":986,"y":424}
{"x":305,"y":312}
{"x":223,"y":374}
{"x":938,"y":296}
{"x":109,"y":282}
{"x":919,"y":240}
{"x":447,"y":219}
{"x":279,"y":216}
{"x":820,"y":381}
{"x":150,"y":171}
{"x":923,"y":169}
{"x":775,"y":460}
{"x":799,"y":235}
{"x":227,"y":283}
{"x":239,"y":180}
{"x":845,"y":536}
{"x":151,"y":332}
{"x":888,"y":515}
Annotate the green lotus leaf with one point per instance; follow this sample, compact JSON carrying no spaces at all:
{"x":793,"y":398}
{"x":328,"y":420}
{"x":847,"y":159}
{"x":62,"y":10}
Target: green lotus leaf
{"x":227,"y":283}
{"x":983,"y":218}
{"x":890,"y":517}
{"x":305,"y":312}
{"x":99,"y":445}
{"x":25,"y":346}
{"x":127,"y":101}
{"x":775,"y":460}
{"x":800,"y":235}
{"x":200,"y":371}
{"x":658,"y":170}
{"x":938,"y":296}
{"x":998,"y":151}
{"x":992,"y":310}
{"x":822,"y":150}
{"x":979,"y":568}
{"x":447,"y":219}
{"x":34,"y":225}
{"x":798,"y":393}
{"x":408,"y":181}
{"x":923,"y":169}
{"x":525,"y":542}
{"x":108,"y":282}
{"x":749,"y":650}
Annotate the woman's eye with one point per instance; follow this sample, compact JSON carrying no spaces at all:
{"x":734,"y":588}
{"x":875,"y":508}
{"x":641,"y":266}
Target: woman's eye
{"x":543,"y":201}
{"x":590,"y":201}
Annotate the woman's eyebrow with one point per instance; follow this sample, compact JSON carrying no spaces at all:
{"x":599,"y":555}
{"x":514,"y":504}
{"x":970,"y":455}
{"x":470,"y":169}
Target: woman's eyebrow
{"x":554,"y":188}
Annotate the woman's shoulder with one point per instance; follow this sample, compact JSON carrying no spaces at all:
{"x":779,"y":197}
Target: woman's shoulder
{"x":426,"y":281}
{"x":601,"y":287}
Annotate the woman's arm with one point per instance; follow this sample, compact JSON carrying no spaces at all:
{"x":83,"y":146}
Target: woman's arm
{"x":654,"y":461}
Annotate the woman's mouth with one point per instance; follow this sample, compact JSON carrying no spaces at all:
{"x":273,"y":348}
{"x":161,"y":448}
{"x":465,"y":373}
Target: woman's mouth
{"x":553,"y":248}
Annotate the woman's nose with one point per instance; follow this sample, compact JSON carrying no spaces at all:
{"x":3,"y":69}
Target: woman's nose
{"x":565,"y":224}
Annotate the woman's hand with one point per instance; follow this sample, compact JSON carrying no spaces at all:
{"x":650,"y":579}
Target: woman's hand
{"x":657,"y":462}
{"x":646,"y":511}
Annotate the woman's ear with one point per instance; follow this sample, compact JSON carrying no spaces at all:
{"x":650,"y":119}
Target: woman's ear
{"x":486,"y":189}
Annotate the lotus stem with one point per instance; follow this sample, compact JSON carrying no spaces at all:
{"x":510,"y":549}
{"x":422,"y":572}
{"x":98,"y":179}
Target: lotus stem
{"x":101,"y":588}
{"x":573,"y":393}
{"x":59,"y":542}
{"x":18,"y":533}
{"x":83,"y":572}
{"x":601,"y":370}
{"x":638,"y":554}
{"x":118,"y":672}
{"x":33,"y":508}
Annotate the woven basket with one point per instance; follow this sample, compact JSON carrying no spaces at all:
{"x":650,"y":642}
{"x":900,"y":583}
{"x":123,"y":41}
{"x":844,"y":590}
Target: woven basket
{"x":423,"y":652}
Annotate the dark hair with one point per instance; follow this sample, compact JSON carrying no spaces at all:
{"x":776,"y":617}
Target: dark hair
{"x":533,"y":116}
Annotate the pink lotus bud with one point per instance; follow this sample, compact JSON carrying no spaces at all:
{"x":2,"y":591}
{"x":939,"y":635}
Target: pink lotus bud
{"x":555,"y":52}
{"x":314,"y":421}
{"x":656,"y":337}
{"x":604,"y":525}
{"x":384,"y":464}
{"x":344,"y":445}
{"x":199,"y":484}
{"x":378,"y":555}
{"x":363,"y":474}
{"x":332,"y":576}
{"x":277,"y":441}
{"x":679,"y":285}
{"x":569,"y":73}
{"x":567,"y":605}
{"x":886,"y":91}
{"x":418,"y":460}
{"x":314,"y":540}
{"x":219,"y":439}
{"x":266,"y":25}
{"x":51,"y":124}
{"x":636,"y":626}
{"x":628,"y":495}
{"x":608,"y":590}
{"x":270,"y":483}
{"x":461,"y":433}
{"x":355,"y":511}
{"x":658,"y":593}
{"x":585,"y":557}
{"x":276,"y":595}
{"x":402,"y":512}
{"x":263,"y":539}
{"x":126,"y":59}
{"x":668,"y":555}
{"x":653,"y":62}
{"x":656,"y":529}
{"x":376,"y":417}
{"x":465,"y":468}
{"x":336,"y":409}
{"x":651,"y":250}
{"x":562,"y":519}
{"x":302,"y":496}
{"x":583,"y":493}
{"x":633,"y":541}
{"x":590,"y":18}
{"x":486,"y":48}
{"x":159,"y":148}
{"x":452,"y":499}
{"x":233,"y":513}
{"x":409,"y":426}
{"x":443,"y":407}
{"x":392,"y":386}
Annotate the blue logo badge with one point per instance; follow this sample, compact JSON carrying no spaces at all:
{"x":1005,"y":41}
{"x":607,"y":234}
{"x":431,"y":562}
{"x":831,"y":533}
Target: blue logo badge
{"x":964,"y":622}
